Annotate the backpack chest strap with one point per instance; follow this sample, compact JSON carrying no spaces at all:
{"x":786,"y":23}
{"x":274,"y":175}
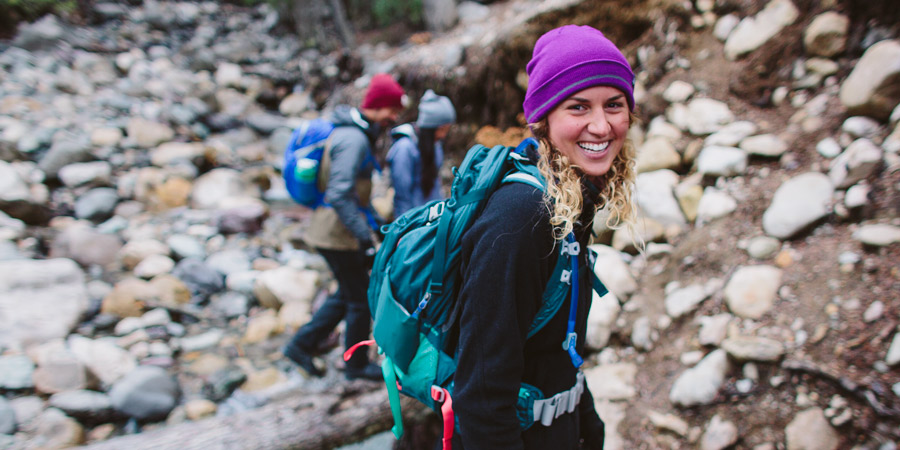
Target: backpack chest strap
{"x":548,"y":409}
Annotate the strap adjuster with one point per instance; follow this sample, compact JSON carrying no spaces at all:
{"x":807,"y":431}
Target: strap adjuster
{"x":438,"y":393}
{"x":571,"y":248}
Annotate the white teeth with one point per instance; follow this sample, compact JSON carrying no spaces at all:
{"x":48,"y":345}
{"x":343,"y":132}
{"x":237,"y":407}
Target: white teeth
{"x":592,"y":147}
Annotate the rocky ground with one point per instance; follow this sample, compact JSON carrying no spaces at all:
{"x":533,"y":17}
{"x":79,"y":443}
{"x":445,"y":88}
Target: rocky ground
{"x":149,"y":271}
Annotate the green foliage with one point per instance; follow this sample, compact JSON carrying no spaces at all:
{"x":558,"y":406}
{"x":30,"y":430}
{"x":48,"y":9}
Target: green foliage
{"x":381,"y":13}
{"x":34,"y":9}
{"x":387,"y":12}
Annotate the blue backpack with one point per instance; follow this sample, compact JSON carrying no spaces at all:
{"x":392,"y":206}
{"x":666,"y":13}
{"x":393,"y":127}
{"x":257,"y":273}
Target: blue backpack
{"x":415,"y":281}
{"x":302,"y":158}
{"x":302,"y":161}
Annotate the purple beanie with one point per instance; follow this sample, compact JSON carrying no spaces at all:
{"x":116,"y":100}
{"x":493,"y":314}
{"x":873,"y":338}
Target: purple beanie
{"x":569,"y":59}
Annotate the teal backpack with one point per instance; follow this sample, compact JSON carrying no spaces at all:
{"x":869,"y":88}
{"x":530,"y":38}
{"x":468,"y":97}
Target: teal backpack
{"x":415,"y":281}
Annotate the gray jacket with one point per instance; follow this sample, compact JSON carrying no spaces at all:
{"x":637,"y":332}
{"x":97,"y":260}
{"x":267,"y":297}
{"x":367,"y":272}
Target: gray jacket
{"x":341,"y":225}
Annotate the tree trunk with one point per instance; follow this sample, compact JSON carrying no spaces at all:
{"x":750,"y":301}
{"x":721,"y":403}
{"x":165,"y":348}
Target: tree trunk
{"x":340,"y":20}
{"x":299,"y":422}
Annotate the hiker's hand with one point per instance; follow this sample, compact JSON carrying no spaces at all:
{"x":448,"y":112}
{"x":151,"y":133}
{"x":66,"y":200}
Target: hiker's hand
{"x":368,"y":250}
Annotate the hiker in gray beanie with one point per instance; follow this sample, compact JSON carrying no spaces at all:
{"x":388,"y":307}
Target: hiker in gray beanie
{"x":417,"y":153}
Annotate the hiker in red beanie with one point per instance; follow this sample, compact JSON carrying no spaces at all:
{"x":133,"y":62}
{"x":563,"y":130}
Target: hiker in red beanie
{"x":341,"y":233}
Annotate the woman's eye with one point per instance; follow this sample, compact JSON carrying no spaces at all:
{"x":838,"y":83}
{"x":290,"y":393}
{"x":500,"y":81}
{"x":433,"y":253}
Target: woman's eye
{"x":614,"y":105}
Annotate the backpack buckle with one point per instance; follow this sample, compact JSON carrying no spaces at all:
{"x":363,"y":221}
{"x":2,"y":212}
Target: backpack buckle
{"x":438,"y":393}
{"x":435,"y":211}
{"x":565,"y":276}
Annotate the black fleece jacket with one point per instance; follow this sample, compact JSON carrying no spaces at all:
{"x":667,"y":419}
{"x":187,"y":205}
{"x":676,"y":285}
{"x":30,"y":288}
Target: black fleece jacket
{"x":508,"y":256}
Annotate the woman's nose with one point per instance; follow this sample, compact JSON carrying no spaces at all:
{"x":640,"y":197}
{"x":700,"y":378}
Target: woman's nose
{"x":599,"y":124}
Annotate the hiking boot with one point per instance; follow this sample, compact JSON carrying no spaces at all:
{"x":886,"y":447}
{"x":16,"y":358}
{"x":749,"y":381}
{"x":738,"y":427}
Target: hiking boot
{"x":369,"y":372}
{"x":302,"y":359}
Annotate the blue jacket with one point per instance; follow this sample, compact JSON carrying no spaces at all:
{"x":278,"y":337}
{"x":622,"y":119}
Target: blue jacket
{"x":406,"y":170}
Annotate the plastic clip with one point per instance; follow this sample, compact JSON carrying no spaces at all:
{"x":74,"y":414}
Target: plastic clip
{"x":435,"y":211}
{"x":571,"y":248}
{"x":570,"y":340}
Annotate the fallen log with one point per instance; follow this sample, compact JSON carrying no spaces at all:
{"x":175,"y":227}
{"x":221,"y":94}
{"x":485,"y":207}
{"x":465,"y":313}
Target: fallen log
{"x":320,"y":421}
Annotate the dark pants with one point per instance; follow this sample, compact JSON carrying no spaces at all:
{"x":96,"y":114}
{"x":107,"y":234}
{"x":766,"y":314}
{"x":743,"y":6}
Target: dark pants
{"x":349,"y":303}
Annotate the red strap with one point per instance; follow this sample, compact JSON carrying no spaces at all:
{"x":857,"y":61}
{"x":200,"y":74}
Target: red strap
{"x":349,"y":353}
{"x":447,"y":414}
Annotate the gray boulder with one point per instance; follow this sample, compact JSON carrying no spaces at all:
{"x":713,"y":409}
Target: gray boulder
{"x":146,"y":393}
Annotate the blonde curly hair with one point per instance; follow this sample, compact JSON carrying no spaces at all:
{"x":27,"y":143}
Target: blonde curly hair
{"x":564,"y":185}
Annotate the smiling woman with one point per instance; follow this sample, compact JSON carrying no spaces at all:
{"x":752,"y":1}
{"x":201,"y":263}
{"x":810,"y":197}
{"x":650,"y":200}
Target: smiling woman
{"x":578,"y":103}
{"x":581,"y":97}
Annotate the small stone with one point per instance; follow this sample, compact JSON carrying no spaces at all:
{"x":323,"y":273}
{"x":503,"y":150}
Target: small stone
{"x":199,"y":408}
{"x":763,"y":247}
{"x":874,"y":312}
{"x":829,"y":148}
{"x":669,"y":422}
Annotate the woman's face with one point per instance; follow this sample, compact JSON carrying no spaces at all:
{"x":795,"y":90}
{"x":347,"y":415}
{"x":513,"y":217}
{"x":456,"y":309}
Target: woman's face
{"x":441,"y":132}
{"x":590,"y":128}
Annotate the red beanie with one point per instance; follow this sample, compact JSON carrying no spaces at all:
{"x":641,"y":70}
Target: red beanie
{"x":383,"y":92}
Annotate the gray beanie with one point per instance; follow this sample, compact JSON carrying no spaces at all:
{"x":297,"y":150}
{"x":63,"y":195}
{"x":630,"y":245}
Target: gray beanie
{"x":435,"y":110}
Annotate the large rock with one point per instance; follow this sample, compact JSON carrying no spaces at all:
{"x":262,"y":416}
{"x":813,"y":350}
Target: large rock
{"x":41,"y":34}
{"x":751,"y":291}
{"x":767,"y":145}
{"x":684,"y":300}
{"x":656,"y":197}
{"x":106,"y":360}
{"x":16,"y":372}
{"x":612,"y":270}
{"x":146,"y":393}
{"x":276,"y":287}
{"x":877,"y":234}
{"x":700,"y":384}
{"x":86,"y":245}
{"x":810,"y":430}
{"x":657,"y":153}
{"x":7,"y":417}
{"x":714,"y":204}
{"x":439,"y":15}
{"x":893,"y":354}
{"x":601,"y":319}
{"x":856,"y":163}
{"x":873,"y":87}
{"x":612,"y":381}
{"x":40,"y":300}
{"x":54,"y":429}
{"x":146,"y":133}
{"x":826,"y":35}
{"x":755,"y":31}
{"x":797,"y":204}
{"x":219,"y":187}
{"x":720,"y":161}
{"x":753,"y":348}
{"x":84,"y":405}
{"x":706,"y":115}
